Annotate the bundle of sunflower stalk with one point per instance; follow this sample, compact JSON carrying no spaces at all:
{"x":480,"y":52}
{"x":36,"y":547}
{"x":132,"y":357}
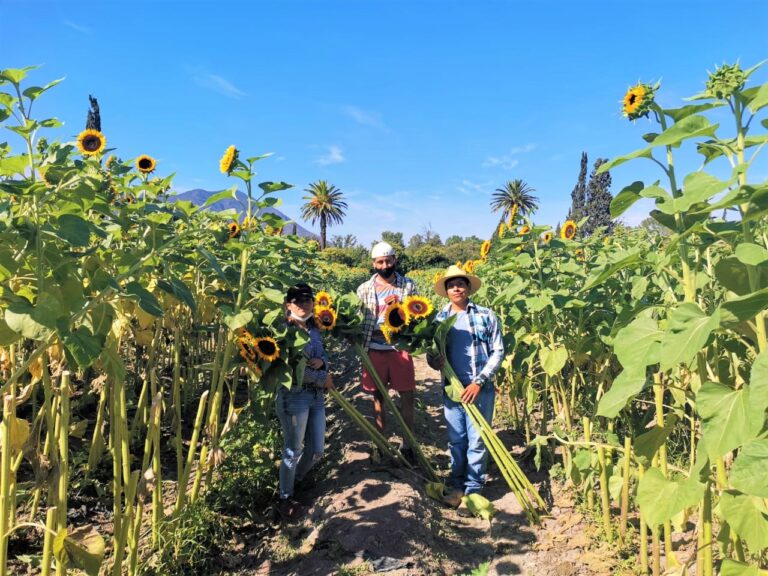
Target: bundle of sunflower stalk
{"x":411,"y":326}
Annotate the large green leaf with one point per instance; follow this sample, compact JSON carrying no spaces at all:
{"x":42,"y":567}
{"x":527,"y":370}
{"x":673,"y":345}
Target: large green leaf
{"x":223,"y":195}
{"x":648,"y":443}
{"x":178,"y":289}
{"x":553,"y":358}
{"x":699,"y":187}
{"x":750,"y":469}
{"x":743,"y":308}
{"x":688,"y":127}
{"x":22,"y":323}
{"x":81,"y":548}
{"x":760,"y":99}
{"x":626,"y":386}
{"x":609,"y":269}
{"x":757,"y":206}
{"x":660,"y":499}
{"x":82,"y":345}
{"x":270,"y":187}
{"x":728,"y":419}
{"x":758,"y":382}
{"x":637,"y":345}
{"x":664,"y":202}
{"x":146,"y":299}
{"x":751,"y":254}
{"x":688,"y":331}
{"x":15,"y":75}
{"x":733,"y":568}
{"x":748,"y":517}
{"x":73,"y":229}
{"x":626,"y":198}
{"x":733,"y":275}
{"x":238,"y":320}
{"x":7,"y":335}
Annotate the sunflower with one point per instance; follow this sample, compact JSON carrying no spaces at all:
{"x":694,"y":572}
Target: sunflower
{"x":546,"y":237}
{"x":469,"y":266}
{"x":145,"y":164}
{"x":234,"y":230}
{"x":418,"y":306}
{"x":502,"y":229}
{"x":485,"y":249}
{"x":326,"y":317}
{"x":267,"y":348}
{"x":387,"y":334}
{"x":129,"y":199}
{"x":108,"y":162}
{"x":524,"y":230}
{"x":438,"y":275}
{"x":512,"y":214}
{"x":638,"y":101}
{"x":323,"y":299}
{"x":227,"y":161}
{"x":395,"y":317}
{"x":568,"y":231}
{"x":91,"y":142}
{"x":248,"y":223}
{"x":247,"y":349}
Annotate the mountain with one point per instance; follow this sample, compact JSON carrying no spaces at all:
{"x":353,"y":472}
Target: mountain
{"x":199,"y":196}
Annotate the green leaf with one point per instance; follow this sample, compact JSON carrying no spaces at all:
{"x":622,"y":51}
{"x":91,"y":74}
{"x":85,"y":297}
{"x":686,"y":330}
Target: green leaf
{"x":436,"y":490}
{"x":733,"y":568}
{"x":750,"y":468}
{"x":688,"y":331}
{"x":626,"y":198}
{"x":626,"y":386}
{"x":758,"y":204}
{"x":147,"y":300}
{"x":664,"y":201}
{"x":760,"y":99}
{"x":81,"y":548}
{"x":270,"y":187}
{"x":480,"y":506}
{"x":238,"y":320}
{"x":73,"y":229}
{"x":751,"y":254}
{"x":758,"y":382}
{"x":734,"y":276}
{"x":648,"y":443}
{"x":34,"y":91}
{"x":688,"y":127}
{"x":643,"y":153}
{"x":223,"y":195}
{"x":738,"y":310}
{"x":748,"y":517}
{"x":699,"y":187}
{"x":553,"y":359}
{"x":22,"y":323}
{"x":601,"y":275}
{"x":15,"y":75}
{"x":728,"y":419}
{"x":213,"y":262}
{"x":273,"y":295}
{"x":660,"y":499}
{"x":637,"y":345}
{"x":7,"y":335}
{"x":678,"y":114}
{"x":177,"y":288}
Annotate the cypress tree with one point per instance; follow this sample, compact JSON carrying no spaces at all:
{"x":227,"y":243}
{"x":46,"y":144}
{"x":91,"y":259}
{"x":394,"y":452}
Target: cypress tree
{"x":578,"y":210}
{"x":598,"y":203}
{"x":93,"y":122}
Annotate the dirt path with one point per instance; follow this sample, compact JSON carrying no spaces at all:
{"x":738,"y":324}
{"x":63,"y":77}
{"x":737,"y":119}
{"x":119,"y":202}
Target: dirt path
{"x":365,"y":519}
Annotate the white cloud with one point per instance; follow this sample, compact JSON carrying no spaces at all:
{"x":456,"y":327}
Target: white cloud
{"x":507,"y":161}
{"x":78,"y":27}
{"x":214,"y":82}
{"x":472,"y":188}
{"x":333,"y":155}
{"x":365,"y":117}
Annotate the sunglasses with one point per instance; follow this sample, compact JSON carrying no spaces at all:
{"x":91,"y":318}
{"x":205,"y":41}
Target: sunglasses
{"x":301,"y":299}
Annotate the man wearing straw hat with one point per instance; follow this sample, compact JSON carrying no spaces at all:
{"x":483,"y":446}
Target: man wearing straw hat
{"x":475,"y":350}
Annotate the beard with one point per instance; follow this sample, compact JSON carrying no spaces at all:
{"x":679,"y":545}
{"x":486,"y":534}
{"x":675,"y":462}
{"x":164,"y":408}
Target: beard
{"x":387,"y":272}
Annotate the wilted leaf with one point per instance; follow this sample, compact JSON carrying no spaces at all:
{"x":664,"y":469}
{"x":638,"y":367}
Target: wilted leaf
{"x":480,"y":506}
{"x":80,"y":548}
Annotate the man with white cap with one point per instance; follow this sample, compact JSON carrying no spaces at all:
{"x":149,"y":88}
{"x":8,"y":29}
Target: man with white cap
{"x":394,"y":367}
{"x":475,"y":350}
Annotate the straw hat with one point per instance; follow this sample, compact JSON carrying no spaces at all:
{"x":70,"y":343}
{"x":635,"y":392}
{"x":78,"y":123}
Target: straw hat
{"x":456,"y":272}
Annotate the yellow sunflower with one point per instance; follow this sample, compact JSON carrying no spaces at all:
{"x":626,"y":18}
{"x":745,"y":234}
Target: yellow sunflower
{"x":469,"y":266}
{"x":323,"y":299}
{"x":227,"y":162}
{"x":247,"y":349}
{"x":108,"y":162}
{"x":568,"y":232}
{"x":395,"y":317}
{"x":91,"y":142}
{"x":387,"y":334}
{"x":638,"y":100}
{"x":485,"y":249}
{"x":234,"y":230}
{"x":326,"y":317}
{"x":418,"y":306}
{"x":145,"y":164}
{"x":524,"y":230}
{"x":438,"y":275}
{"x":546,"y":237}
{"x":267,"y":348}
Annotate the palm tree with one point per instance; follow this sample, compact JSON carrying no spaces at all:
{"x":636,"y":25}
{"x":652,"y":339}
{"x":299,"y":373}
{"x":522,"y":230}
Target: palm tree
{"x":325,"y":204}
{"x":515,"y":192}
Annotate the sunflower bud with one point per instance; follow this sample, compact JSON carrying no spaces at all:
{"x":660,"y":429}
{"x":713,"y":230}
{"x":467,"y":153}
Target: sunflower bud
{"x":638,"y":101}
{"x":723,"y":82}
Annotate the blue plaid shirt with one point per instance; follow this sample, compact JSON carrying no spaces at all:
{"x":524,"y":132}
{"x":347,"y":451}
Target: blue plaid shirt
{"x":404,"y":286}
{"x":487,"y":350}
{"x":314,"y":349}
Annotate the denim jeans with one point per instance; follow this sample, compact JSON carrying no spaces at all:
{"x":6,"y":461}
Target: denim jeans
{"x":469,"y":456}
{"x":302,"y":416}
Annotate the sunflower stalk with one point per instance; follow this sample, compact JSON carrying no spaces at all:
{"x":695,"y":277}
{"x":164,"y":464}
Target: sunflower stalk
{"x":407,"y":433}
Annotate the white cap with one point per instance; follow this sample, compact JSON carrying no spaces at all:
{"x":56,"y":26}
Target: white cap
{"x":382,"y":249}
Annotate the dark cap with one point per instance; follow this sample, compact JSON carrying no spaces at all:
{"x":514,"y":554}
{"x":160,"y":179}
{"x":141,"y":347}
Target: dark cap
{"x":299,"y":291}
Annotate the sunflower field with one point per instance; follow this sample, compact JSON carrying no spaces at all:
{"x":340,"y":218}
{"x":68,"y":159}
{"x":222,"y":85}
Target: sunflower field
{"x":137,"y":332}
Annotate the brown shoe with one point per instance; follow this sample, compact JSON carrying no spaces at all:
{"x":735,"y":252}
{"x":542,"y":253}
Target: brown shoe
{"x":453,"y":498}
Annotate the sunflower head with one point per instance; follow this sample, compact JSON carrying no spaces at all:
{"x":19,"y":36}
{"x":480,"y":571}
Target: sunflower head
{"x":469,"y":266}
{"x":145,"y":164}
{"x":524,"y":230}
{"x":638,"y":101}
{"x":247,"y":349}
{"x":248,"y":223}
{"x":724,"y":81}
{"x":418,"y":306}
{"x":546,"y":237}
{"x":485,"y":248}
{"x":267,"y":348}
{"x":568,"y":231}
{"x":227,"y":162}
{"x":326,"y":317}
{"x":234,"y":229}
{"x":323,"y":299}
{"x":438,"y":275}
{"x":91,"y":142}
{"x":395,"y":317}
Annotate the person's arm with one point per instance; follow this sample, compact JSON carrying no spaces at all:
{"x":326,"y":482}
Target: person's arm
{"x":496,"y":344}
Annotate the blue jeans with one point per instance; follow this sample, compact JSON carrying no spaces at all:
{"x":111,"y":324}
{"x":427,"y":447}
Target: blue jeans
{"x":302,"y":416}
{"x":469,"y":456}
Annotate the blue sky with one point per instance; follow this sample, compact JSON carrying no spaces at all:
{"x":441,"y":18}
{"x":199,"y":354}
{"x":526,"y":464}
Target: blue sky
{"x":416,"y":110}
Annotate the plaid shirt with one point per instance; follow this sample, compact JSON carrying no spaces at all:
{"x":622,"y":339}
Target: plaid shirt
{"x":404,"y":286}
{"x":487,"y":350}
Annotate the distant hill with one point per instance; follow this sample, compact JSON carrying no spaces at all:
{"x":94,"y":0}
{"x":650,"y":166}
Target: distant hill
{"x":199,"y":196}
